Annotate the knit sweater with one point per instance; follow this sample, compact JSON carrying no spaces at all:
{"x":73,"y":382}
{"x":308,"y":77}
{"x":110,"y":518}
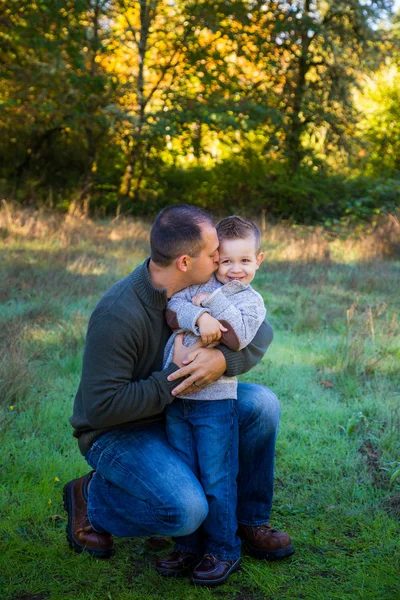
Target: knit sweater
{"x":123,"y":382}
{"x":238,"y":307}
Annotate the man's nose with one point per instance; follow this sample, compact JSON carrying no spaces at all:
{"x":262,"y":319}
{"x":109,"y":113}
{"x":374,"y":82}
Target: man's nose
{"x":216,"y":257}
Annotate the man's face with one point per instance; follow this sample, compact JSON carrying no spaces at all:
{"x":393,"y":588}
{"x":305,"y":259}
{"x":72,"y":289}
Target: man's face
{"x":204,"y":265}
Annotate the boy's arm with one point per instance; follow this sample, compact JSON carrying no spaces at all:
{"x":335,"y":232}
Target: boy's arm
{"x":242,"y":320}
{"x":181,"y":313}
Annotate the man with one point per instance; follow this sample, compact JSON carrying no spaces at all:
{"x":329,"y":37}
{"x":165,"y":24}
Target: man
{"x":139,"y":486}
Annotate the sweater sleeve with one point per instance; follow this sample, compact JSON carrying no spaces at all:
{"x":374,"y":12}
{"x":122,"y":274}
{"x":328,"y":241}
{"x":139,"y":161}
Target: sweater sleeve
{"x":241,"y":319}
{"x":240,"y":362}
{"x":182,"y":313}
{"x":109,"y":395}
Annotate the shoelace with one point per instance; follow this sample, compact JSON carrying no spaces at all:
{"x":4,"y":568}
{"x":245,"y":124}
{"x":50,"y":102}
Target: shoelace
{"x":210,"y":557}
{"x":266,"y":528}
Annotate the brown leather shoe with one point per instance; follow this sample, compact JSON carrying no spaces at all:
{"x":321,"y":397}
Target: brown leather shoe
{"x":176,"y":563}
{"x":80,"y":534}
{"x":265,"y":542}
{"x":211,"y":571}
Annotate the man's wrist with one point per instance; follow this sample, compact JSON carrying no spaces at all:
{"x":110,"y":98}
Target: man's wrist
{"x":233,"y":361}
{"x":221,"y":358}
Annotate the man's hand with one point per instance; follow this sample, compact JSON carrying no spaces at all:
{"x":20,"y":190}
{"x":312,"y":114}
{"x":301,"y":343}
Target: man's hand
{"x":203,"y":366}
{"x":182,"y":352}
{"x":210,"y":328}
{"x":200,"y":297}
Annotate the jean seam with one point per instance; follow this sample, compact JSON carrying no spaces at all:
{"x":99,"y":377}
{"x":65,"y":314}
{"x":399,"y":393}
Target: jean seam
{"x":254,"y":523}
{"x":226,"y":556}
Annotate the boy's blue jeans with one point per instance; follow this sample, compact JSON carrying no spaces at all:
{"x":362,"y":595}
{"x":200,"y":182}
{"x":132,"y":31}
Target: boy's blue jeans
{"x":142,"y":487}
{"x":205,"y":435}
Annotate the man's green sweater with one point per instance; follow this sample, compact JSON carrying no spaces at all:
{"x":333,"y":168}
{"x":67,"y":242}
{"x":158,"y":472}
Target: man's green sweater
{"x":122,"y":381}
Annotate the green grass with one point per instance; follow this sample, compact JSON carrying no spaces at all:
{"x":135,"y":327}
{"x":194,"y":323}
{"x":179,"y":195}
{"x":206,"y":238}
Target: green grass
{"x":333,"y":363}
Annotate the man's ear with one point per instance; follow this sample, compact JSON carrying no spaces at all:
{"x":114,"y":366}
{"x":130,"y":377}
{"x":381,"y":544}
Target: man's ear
{"x":183,"y":263}
{"x":260,"y":258}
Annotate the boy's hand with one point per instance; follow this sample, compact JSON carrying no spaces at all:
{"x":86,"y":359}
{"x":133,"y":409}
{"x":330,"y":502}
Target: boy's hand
{"x":210,"y":329}
{"x":199,"y":298}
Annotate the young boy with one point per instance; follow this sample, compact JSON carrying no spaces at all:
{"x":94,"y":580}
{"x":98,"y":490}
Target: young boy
{"x":203,"y":427}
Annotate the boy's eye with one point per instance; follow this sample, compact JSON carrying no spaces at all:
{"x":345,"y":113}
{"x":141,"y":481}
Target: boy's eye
{"x":224,"y":262}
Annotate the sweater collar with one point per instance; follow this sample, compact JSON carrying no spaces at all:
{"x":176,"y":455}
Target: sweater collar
{"x":150,"y":295}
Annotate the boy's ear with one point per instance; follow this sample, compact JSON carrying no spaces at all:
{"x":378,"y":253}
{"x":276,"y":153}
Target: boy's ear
{"x":260,"y":258}
{"x":183,"y":263}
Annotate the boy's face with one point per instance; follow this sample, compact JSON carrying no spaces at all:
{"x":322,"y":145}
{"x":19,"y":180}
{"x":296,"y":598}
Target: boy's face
{"x":238,"y":260}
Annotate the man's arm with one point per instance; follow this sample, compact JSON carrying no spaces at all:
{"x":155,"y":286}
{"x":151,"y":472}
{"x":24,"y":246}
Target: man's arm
{"x":240,"y":362}
{"x":109,"y":395}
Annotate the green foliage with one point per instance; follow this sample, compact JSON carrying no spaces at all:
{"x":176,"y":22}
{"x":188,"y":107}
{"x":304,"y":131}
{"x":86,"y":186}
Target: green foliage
{"x":379,"y":128}
{"x":118,"y":106}
{"x":249,"y":183}
{"x":382,"y":196}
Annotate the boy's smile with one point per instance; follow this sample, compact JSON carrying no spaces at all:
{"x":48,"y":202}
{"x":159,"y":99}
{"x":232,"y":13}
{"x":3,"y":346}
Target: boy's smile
{"x":238,"y":260}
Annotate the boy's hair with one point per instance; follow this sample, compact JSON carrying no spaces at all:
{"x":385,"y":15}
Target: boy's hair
{"x":236,"y":227}
{"x":176,"y":231}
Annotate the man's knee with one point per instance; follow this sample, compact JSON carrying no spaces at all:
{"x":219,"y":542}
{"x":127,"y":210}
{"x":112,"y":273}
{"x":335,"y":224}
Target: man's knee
{"x":258,"y":404}
{"x":185,"y":515}
{"x":267,"y":405}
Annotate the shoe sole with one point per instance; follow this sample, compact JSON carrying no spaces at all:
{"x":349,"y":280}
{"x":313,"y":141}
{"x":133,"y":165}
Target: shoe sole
{"x":213,"y":582}
{"x":269,"y":554}
{"x":68,"y":506}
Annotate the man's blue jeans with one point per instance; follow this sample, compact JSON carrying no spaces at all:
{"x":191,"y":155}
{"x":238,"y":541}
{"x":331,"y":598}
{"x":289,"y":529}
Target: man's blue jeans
{"x":142,"y":487}
{"x":205,"y":435}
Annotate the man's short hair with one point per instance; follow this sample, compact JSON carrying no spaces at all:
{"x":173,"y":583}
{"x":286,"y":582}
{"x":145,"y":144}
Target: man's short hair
{"x":176,"y":231}
{"x":236,"y":227}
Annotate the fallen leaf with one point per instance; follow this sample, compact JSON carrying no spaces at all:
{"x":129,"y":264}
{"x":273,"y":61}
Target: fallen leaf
{"x":327,"y":384}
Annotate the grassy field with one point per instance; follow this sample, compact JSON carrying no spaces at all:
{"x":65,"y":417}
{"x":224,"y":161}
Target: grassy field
{"x":334,"y":303}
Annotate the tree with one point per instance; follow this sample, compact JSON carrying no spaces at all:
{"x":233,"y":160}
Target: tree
{"x":54,"y":87}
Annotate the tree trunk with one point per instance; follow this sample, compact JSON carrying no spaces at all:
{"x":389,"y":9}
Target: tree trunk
{"x":293,"y":141}
{"x":136,"y":153}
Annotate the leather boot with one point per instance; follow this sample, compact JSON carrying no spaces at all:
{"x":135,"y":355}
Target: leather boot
{"x":80,"y":534}
{"x":263,"y":541}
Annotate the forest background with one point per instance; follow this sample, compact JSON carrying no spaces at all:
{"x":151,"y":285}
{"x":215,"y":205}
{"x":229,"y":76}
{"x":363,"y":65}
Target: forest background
{"x":112,"y":107}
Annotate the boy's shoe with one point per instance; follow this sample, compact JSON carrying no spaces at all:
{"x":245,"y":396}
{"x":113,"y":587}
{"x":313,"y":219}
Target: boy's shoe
{"x":211,"y":571}
{"x":176,"y":563}
{"x":80,"y":534}
{"x":265,"y":542}
{"x":157,"y":542}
